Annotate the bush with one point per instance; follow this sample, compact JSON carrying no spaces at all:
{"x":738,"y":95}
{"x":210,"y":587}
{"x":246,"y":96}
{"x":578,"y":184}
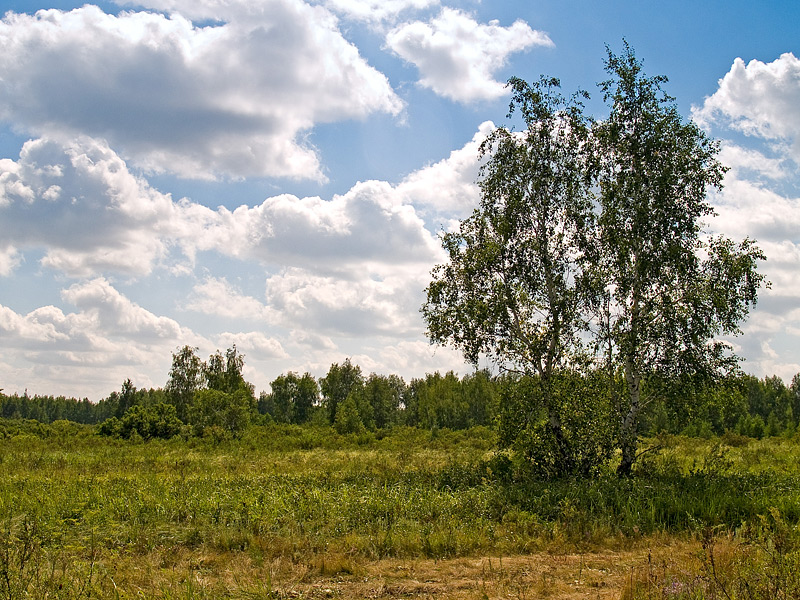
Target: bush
{"x":348,"y":419}
{"x":157,"y":421}
{"x":230,"y":411}
{"x":582,"y":444}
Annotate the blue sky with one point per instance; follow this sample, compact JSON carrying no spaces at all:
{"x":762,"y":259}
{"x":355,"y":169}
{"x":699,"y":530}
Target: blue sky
{"x":274,"y":173}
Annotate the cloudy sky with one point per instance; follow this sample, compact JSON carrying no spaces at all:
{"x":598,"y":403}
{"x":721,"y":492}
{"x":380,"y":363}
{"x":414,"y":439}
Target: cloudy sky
{"x":274,"y":173}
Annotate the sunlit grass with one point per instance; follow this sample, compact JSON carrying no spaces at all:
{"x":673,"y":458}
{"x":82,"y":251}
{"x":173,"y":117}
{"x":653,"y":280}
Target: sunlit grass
{"x":179,"y":519}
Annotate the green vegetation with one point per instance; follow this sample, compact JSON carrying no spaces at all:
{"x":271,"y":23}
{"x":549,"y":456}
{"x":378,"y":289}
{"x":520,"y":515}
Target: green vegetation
{"x":94,"y":516}
{"x":587,"y":257}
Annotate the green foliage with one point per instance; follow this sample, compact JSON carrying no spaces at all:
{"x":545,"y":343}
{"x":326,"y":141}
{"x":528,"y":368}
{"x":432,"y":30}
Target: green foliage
{"x":84,"y":515}
{"x":443,"y":401}
{"x":337,"y":385}
{"x":348,"y":417}
{"x":292,"y":398}
{"x":214,"y":412}
{"x":383,"y":394}
{"x":224,"y":373}
{"x":157,"y":421}
{"x":185,"y":378}
{"x":513,"y":287}
{"x":662,"y":305}
{"x":586,"y":254}
{"x":63,"y":430}
{"x":583,"y":444}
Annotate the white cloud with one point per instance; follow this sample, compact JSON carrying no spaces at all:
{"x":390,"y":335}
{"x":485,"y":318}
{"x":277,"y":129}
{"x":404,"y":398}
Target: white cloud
{"x":92,"y":350}
{"x":760,"y":199}
{"x":416,"y":357}
{"x":769,"y":338}
{"x":377,"y":11}
{"x":109,"y":310}
{"x":449,"y":187}
{"x":312,"y":339}
{"x":759,"y":99}
{"x":266,"y":347}
{"x":217,"y":297}
{"x":747,"y":208}
{"x":364,"y":228}
{"x":232,"y":99}
{"x":106,"y":322}
{"x":349,"y":306}
{"x":9,"y":259}
{"x":54,"y":190}
{"x":80,"y":202}
{"x":744,"y":161}
{"x":458,"y":57}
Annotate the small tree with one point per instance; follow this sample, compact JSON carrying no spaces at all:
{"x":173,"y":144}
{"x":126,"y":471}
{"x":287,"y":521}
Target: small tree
{"x":293,"y":397}
{"x":224,"y":373}
{"x":513,"y":285}
{"x":337,"y":385}
{"x":660,"y":303}
{"x":156,"y":421}
{"x":348,"y":418}
{"x":229,"y":412}
{"x":185,"y":378}
{"x":383,"y":394}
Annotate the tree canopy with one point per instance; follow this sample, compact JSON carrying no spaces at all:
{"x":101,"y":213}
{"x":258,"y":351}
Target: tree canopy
{"x":588,"y":251}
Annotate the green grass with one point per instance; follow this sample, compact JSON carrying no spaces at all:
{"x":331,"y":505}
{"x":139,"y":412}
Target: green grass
{"x":83,"y":516}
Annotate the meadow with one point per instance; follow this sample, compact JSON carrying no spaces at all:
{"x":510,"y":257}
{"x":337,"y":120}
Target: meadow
{"x":303,"y":512}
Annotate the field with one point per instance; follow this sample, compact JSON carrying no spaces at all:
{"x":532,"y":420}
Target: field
{"x":299,"y":512}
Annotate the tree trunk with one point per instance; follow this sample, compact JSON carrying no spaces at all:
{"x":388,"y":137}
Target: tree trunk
{"x":629,"y":430}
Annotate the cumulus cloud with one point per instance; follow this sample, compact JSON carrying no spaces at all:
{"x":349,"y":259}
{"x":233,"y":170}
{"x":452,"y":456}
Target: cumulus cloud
{"x":350,"y":307}
{"x":231,"y":99}
{"x":91,"y":350}
{"x":448,"y":188}
{"x":265,"y":347}
{"x":50,"y":196}
{"x":215,"y":296}
{"x":760,"y":199}
{"x":377,"y":11}
{"x":80,"y":202}
{"x":759,"y":99}
{"x":745,"y":162}
{"x":749,"y":208}
{"x":109,"y":310}
{"x":9,"y":259}
{"x":458,"y":57}
{"x":368,"y":225}
{"x":416,"y":357}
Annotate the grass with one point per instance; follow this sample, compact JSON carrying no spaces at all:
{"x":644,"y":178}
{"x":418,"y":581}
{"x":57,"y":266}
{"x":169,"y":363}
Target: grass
{"x":297,"y":511}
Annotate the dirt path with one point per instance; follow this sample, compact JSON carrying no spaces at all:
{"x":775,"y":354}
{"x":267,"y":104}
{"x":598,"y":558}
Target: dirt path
{"x":594,"y":575}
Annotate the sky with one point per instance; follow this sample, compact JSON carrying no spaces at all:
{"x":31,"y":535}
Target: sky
{"x":275,"y":174}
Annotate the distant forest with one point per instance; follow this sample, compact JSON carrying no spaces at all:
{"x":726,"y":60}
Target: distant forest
{"x":213,"y":399}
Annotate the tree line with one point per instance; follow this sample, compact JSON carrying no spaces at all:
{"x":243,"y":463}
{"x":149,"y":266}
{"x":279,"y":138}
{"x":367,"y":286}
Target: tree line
{"x":213,"y":398}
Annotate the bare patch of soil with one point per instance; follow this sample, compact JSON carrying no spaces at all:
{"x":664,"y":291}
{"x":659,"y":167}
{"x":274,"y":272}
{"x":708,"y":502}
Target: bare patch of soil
{"x":568,"y":576}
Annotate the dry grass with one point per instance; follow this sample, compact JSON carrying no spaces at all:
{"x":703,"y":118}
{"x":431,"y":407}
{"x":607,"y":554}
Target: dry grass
{"x":601,"y":574}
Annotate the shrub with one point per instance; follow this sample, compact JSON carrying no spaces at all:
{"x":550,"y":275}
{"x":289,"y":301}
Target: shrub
{"x":157,"y":421}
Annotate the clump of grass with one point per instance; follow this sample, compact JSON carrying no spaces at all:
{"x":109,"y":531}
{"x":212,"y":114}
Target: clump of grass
{"x":759,"y":561}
